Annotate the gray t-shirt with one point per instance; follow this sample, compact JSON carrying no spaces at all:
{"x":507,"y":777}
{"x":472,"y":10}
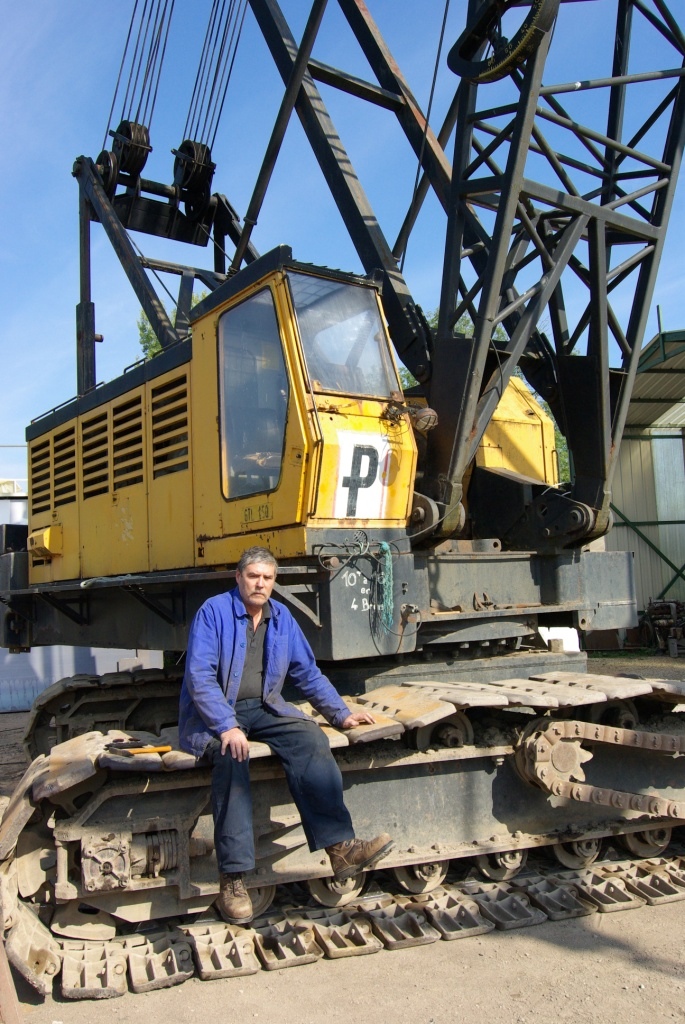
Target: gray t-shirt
{"x":253,"y":671}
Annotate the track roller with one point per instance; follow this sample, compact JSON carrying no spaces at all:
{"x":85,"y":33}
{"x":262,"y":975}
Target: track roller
{"x":262,"y":897}
{"x":650,"y":843}
{"x":419,"y":878}
{"x":577,"y":854}
{"x":331,"y":892}
{"x":500,"y":867}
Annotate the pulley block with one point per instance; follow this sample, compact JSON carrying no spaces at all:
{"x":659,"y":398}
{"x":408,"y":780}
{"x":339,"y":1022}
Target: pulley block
{"x":193,"y":167}
{"x":193,"y":173}
{"x":482,"y":53}
{"x":131,"y":147}
{"x":107,"y":166}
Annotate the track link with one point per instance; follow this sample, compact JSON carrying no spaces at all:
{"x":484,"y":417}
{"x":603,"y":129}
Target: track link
{"x":107,"y":872}
{"x":297,"y":931}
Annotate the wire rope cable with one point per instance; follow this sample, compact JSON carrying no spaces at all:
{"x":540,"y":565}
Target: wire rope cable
{"x":224,"y":30}
{"x":427,"y":120}
{"x":156,"y":62}
{"x":121,"y":69}
{"x":136,"y":58}
{"x":152,"y":270}
{"x":218,"y":25}
{"x":220,"y":105}
{"x":195,"y":96}
{"x":142,"y":62}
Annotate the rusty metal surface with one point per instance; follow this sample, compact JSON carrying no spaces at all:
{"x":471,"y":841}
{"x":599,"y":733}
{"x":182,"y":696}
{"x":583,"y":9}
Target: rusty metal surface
{"x":652,"y":886}
{"x":92,"y":970}
{"x":463,"y":695}
{"x":10,"y":1012}
{"x":607,"y":894}
{"x":294,"y":936}
{"x":157,"y":960}
{"x":610,"y":686}
{"x":398,"y":927}
{"x":438,"y":802}
{"x":413,"y":708}
{"x":558,"y":900}
{"x":32,"y":950}
{"x":20,"y":807}
{"x":455,"y":915}
{"x":286,"y":944}
{"x":552,"y":757}
{"x":506,"y":909}
{"x":339,"y":933}
{"x":222,"y":951}
{"x":670,"y":687}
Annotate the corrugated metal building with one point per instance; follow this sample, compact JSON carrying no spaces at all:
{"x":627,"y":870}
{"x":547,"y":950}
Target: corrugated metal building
{"x":649,"y":484}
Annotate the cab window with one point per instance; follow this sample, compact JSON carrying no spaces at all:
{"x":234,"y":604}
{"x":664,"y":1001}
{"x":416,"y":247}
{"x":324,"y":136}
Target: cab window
{"x":344,"y":342}
{"x":253,"y":397}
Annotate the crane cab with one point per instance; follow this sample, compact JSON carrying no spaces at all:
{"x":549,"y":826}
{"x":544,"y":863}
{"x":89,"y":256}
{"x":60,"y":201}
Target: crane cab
{"x":280,"y":422}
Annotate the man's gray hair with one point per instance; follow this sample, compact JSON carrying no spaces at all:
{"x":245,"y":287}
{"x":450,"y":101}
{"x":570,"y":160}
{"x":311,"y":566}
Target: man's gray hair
{"x":256,"y":554}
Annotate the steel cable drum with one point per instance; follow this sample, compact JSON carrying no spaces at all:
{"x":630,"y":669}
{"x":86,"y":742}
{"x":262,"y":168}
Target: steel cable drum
{"x":506,"y":54}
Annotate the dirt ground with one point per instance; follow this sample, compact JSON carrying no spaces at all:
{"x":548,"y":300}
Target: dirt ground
{"x":609,"y":968}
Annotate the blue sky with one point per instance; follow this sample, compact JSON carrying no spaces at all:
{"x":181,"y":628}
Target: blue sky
{"x":58,"y":66}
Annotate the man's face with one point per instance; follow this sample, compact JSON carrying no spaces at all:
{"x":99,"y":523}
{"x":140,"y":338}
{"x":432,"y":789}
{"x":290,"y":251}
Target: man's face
{"x":256,"y":583}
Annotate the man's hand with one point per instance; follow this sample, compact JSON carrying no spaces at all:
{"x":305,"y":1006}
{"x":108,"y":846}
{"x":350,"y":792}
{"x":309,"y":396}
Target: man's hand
{"x":235,"y":740}
{"x":358,"y":718}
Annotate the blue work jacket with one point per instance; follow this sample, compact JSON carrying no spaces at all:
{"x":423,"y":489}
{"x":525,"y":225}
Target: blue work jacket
{"x":214,"y":667}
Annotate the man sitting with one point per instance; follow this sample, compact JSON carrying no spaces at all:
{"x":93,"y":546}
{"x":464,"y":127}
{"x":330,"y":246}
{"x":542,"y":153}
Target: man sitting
{"x":242,"y":644}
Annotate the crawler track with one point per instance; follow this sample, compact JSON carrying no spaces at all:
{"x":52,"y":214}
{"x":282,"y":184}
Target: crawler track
{"x":107,"y":869}
{"x":298,"y":931}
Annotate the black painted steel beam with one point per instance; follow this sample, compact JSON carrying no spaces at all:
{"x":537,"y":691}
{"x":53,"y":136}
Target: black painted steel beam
{"x":93,"y":191}
{"x":410,"y":335}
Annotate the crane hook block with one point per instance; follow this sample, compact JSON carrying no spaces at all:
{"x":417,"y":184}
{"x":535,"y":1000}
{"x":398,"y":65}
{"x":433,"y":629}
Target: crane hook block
{"x":483,"y":54}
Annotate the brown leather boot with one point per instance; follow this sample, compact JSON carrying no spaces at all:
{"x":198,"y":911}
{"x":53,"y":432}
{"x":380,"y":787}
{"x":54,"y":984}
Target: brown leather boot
{"x":233,"y":902}
{"x":354,"y":855}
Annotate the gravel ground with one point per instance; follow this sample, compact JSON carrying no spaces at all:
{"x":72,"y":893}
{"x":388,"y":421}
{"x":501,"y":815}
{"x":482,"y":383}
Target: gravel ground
{"x":608,"y":968}
{"x":640,"y":663}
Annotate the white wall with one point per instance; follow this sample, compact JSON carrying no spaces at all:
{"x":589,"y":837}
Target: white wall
{"x":24,"y":676}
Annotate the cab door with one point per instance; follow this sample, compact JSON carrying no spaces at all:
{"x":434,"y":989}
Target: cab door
{"x":261,"y":442}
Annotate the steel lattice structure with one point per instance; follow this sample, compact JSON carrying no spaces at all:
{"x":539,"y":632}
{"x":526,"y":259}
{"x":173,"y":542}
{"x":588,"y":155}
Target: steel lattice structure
{"x":544,"y":193}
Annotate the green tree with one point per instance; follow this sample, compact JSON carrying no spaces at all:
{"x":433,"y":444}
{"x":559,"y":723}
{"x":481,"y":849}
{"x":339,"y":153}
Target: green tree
{"x":147,"y":337}
{"x":407,"y":378}
{"x":464,"y":326}
{"x":560,"y":442}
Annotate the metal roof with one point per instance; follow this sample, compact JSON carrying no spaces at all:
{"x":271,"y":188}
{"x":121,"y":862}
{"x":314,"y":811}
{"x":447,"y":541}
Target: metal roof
{"x":658,"y":398}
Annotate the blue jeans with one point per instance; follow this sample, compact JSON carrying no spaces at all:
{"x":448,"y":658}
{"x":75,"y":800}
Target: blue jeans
{"x":311,"y":772}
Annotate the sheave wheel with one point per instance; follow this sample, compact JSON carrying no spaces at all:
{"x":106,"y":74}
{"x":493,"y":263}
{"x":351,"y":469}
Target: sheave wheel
{"x":650,"y":843}
{"x":502,"y":53}
{"x":577,"y":854}
{"x":262,"y":897}
{"x":331,"y":892}
{"x":499,"y":867}
{"x":420,"y":877}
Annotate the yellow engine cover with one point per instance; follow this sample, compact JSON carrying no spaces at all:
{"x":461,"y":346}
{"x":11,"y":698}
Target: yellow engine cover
{"x":520,"y":437}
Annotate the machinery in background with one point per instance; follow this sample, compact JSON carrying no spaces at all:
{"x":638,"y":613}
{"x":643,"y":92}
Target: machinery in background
{"x":663,"y":626}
